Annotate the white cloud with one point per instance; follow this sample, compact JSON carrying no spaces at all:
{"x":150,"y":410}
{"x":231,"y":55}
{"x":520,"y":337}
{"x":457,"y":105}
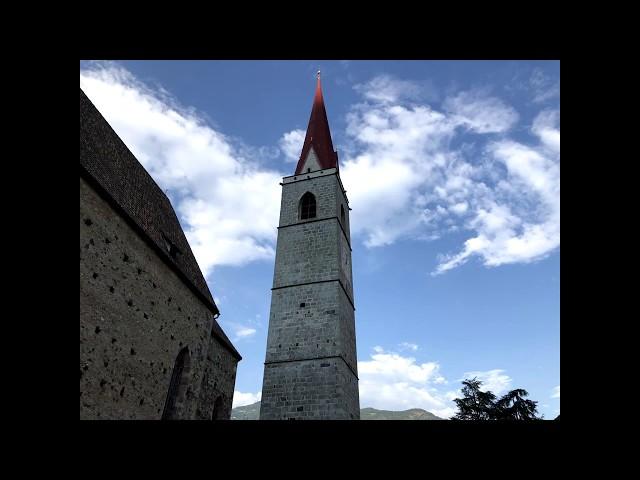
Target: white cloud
{"x":546,"y":126}
{"x":404,"y":179}
{"x":227,"y":201}
{"x":459,"y":208}
{"x":240,"y":399}
{"x":390,"y":381}
{"x":519,"y":220}
{"x":481,"y":112}
{"x":402,"y":176}
{"x":395,"y":159}
{"x":556,"y":392}
{"x":240,"y":331}
{"x":388,"y":89}
{"x":543,"y":86}
{"x":245,"y":332}
{"x":408,"y":346}
{"x":291,"y":144}
{"x":495,"y":381}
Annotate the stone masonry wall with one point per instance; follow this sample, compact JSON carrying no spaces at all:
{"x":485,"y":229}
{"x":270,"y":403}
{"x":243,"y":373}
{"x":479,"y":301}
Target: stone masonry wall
{"x":322,"y":187}
{"x":311,"y":325}
{"x":341,"y":200}
{"x":309,"y":390}
{"x":218,"y":382}
{"x":307,"y":253}
{"x":135,"y":316}
{"x":323,"y":327}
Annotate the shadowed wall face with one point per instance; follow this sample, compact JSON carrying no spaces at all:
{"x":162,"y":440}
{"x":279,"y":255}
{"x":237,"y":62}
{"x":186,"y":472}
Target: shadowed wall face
{"x":136,"y":315}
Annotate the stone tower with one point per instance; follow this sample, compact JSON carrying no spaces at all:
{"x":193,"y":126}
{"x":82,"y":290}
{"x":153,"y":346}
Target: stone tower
{"x":310,"y":369}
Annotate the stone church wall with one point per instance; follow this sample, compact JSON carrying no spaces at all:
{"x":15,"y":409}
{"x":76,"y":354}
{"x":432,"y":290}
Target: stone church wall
{"x":136,"y":314}
{"x":218,"y":383}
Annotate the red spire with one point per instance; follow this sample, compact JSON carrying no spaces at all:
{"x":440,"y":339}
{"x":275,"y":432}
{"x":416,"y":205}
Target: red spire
{"x":318,"y":135}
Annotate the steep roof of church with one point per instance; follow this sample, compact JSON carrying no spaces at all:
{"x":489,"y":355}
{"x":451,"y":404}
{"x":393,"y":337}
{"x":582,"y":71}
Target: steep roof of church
{"x":318,"y":135}
{"x":111,"y":167}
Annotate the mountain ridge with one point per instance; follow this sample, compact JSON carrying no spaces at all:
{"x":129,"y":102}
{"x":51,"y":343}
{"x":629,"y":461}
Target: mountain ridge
{"x":252,"y":412}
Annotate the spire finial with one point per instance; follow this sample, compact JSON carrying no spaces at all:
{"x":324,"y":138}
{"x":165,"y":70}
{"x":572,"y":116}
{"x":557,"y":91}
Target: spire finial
{"x":318,"y":74}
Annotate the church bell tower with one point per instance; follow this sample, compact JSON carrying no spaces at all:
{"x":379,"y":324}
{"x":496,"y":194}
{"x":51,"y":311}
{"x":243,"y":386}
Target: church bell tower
{"x":310,"y":371}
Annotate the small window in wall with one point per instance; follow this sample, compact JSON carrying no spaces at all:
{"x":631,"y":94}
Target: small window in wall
{"x":178,"y":385}
{"x":218,"y":411}
{"x":342,"y":216}
{"x":307,"y":206}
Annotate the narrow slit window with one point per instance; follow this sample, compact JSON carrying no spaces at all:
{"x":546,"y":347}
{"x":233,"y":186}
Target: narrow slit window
{"x":342,"y":216}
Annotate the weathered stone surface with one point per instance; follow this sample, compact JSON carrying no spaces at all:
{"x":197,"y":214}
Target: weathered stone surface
{"x":136,"y":314}
{"x":311,"y":367}
{"x":310,"y":390}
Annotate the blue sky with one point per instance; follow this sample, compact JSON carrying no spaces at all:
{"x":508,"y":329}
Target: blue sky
{"x":452,"y":171}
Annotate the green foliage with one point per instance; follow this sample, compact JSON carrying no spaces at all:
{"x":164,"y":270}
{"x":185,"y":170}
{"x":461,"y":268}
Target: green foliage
{"x":478,"y":405}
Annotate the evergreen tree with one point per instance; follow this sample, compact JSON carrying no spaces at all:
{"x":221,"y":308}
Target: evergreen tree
{"x":478,"y":405}
{"x":514,"y":406}
{"x":475,"y":404}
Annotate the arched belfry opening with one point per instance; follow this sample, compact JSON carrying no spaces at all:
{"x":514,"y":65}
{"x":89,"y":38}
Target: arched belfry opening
{"x":178,"y":385}
{"x":342,"y":215}
{"x":307,"y":206}
{"x":218,"y":413}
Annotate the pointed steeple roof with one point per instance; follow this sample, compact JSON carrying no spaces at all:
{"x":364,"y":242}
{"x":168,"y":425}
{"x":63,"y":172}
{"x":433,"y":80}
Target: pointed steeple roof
{"x":318,"y":135}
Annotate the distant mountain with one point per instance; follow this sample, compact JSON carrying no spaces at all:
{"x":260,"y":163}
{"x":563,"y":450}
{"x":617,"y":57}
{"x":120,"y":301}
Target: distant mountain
{"x":411,"y":414}
{"x":252,"y":412}
{"x":247,"y":412}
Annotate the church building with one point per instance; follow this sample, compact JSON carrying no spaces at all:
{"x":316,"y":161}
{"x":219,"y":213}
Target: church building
{"x":150,"y":345}
{"x":310,"y":370}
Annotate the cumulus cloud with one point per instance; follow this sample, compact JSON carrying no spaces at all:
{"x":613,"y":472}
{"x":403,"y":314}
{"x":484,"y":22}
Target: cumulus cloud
{"x":388,"y":89}
{"x":240,"y":399}
{"x":291,"y":144}
{"x":543,"y":86}
{"x":390,"y":381}
{"x":404,"y":178}
{"x":203,"y":171}
{"x":459,"y":208}
{"x":546,"y":127}
{"x":398,"y":150}
{"x":240,"y":331}
{"x":245,"y":332}
{"x":518,"y":220}
{"x":556,"y":392}
{"x":481,"y":112}
{"x":496,"y":381}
